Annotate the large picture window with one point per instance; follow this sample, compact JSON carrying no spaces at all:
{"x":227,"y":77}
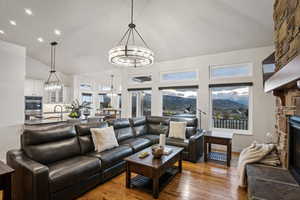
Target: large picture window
{"x":179,"y":102}
{"x":140,"y":102}
{"x":230,"y":106}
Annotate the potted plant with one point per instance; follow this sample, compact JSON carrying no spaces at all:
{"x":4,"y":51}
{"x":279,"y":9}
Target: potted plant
{"x":76,"y":108}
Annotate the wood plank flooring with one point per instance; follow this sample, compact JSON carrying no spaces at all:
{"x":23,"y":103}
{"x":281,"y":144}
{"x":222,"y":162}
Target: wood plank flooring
{"x":207,"y":181}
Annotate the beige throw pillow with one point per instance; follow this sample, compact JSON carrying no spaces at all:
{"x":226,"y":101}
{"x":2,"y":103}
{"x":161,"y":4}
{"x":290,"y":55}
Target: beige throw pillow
{"x":177,"y":130}
{"x":104,"y":138}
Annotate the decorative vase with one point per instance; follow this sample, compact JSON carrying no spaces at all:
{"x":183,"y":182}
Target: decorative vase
{"x":157,"y":151}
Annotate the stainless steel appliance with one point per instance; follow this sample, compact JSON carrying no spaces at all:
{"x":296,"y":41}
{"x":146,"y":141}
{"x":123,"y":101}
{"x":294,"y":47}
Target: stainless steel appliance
{"x":33,"y":107}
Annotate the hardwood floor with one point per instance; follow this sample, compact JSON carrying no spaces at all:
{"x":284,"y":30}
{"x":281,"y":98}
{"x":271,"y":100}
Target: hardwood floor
{"x":207,"y":181}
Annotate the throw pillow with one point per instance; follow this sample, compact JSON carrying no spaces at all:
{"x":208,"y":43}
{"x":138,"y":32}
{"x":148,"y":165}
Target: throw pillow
{"x":177,"y":130}
{"x":104,"y":138}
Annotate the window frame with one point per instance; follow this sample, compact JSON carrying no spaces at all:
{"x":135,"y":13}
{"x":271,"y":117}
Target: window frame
{"x":139,"y":112}
{"x":178,"y":71}
{"x":211,"y":67}
{"x":250,"y":113}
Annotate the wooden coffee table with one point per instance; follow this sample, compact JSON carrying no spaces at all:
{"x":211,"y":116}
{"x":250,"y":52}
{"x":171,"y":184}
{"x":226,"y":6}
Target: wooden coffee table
{"x":153,"y":173}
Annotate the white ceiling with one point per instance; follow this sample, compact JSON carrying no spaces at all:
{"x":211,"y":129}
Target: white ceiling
{"x":172,"y":28}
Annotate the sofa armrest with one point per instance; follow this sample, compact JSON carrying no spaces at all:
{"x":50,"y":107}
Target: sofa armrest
{"x":196,"y":146}
{"x":30,"y":180}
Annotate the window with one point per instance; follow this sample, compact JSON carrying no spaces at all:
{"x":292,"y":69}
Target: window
{"x":140,"y":79}
{"x":140,"y":103}
{"x":104,"y":100}
{"x":179,"y":76}
{"x":179,"y":101}
{"x":85,"y":86}
{"x":230,"y":106}
{"x":119,"y":101}
{"x":229,"y":71}
{"x":87,"y":97}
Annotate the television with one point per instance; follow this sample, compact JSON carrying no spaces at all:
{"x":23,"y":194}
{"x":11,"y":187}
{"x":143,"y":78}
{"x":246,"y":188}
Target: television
{"x":268,"y":67}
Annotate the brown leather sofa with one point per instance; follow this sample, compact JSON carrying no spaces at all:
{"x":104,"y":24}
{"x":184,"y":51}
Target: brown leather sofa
{"x":58,"y":162}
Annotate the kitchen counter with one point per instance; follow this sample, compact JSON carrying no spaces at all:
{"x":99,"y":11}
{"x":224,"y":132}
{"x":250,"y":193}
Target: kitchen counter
{"x":52,"y":121}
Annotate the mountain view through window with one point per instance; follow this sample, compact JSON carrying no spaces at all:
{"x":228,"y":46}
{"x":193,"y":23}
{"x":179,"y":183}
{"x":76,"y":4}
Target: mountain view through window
{"x":179,"y":102}
{"x":230,"y":107}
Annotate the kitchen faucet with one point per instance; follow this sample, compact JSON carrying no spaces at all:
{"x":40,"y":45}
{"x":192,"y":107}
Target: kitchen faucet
{"x":61,"y":110}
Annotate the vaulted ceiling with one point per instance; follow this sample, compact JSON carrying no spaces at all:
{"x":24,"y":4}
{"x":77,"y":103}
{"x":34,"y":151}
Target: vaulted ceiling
{"x":173,"y":28}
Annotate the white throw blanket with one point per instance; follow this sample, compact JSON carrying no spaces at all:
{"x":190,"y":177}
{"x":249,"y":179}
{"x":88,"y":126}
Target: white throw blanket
{"x":254,"y":153}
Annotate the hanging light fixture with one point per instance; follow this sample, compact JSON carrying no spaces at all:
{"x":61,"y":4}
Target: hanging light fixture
{"x":127,"y":53}
{"x":53,"y":82}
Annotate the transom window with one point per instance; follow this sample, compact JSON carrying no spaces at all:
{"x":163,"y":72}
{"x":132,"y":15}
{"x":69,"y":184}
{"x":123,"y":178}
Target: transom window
{"x":179,"y":76}
{"x":231,"y":106}
{"x":229,"y":71}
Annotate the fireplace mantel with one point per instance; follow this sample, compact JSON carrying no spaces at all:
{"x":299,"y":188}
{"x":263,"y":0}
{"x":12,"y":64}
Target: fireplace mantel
{"x":288,"y":74}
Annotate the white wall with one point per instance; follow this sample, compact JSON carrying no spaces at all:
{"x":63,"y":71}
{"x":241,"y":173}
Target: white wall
{"x":38,"y":70}
{"x":263,"y":104}
{"x":12,"y":77}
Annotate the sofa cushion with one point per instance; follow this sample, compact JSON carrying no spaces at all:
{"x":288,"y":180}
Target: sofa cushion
{"x":104,"y":138}
{"x":112,"y":156}
{"x":137,"y":144}
{"x":154,"y":138}
{"x":139,"y":126}
{"x":48,"y":145}
{"x":191,"y":125}
{"x":85,"y":137}
{"x":157,"y":125}
{"x":177,"y":130}
{"x":178,"y":142}
{"x":71,"y":171}
{"x":123,"y":129}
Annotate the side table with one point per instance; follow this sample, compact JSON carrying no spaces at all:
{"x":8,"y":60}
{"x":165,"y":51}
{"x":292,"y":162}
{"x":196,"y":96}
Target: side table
{"x":221,"y":139}
{"x":5,"y":180}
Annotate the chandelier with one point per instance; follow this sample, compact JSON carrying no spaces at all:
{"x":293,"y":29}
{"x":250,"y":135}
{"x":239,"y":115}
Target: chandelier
{"x":53,"y":82}
{"x":127,"y":53}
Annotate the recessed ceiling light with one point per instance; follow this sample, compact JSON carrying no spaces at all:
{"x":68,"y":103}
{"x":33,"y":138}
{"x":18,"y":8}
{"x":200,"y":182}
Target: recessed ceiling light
{"x":12,"y":22}
{"x":40,"y":39}
{"x":2,"y":32}
{"x":57,"y":32}
{"x":28,"y":11}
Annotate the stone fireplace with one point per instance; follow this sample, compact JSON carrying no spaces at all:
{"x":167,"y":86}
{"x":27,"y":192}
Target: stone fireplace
{"x":287,"y":48}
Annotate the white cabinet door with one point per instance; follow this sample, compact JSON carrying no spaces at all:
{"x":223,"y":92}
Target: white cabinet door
{"x":67,"y":95}
{"x":33,"y":87}
{"x":28,"y":87}
{"x":39,"y":87}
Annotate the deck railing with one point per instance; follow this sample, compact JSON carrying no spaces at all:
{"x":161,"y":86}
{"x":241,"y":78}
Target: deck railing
{"x":240,"y":124}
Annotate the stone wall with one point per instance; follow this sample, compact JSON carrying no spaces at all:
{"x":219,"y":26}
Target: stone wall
{"x":287,"y":46}
{"x":287,"y":31}
{"x":286,"y":105}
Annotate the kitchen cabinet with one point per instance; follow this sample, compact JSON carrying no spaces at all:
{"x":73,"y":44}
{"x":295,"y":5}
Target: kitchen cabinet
{"x":60,"y":96}
{"x":34,"y":87}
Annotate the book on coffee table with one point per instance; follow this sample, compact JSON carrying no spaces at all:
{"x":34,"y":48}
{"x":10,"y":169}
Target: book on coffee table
{"x":167,"y":150}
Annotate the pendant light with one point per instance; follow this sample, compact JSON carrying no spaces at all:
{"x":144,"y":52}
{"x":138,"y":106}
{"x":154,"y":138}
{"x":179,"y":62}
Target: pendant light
{"x":53,"y":82}
{"x":127,"y":53}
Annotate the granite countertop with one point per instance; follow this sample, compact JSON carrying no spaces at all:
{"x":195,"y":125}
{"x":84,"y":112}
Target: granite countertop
{"x":52,"y":121}
{"x":56,"y":112}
